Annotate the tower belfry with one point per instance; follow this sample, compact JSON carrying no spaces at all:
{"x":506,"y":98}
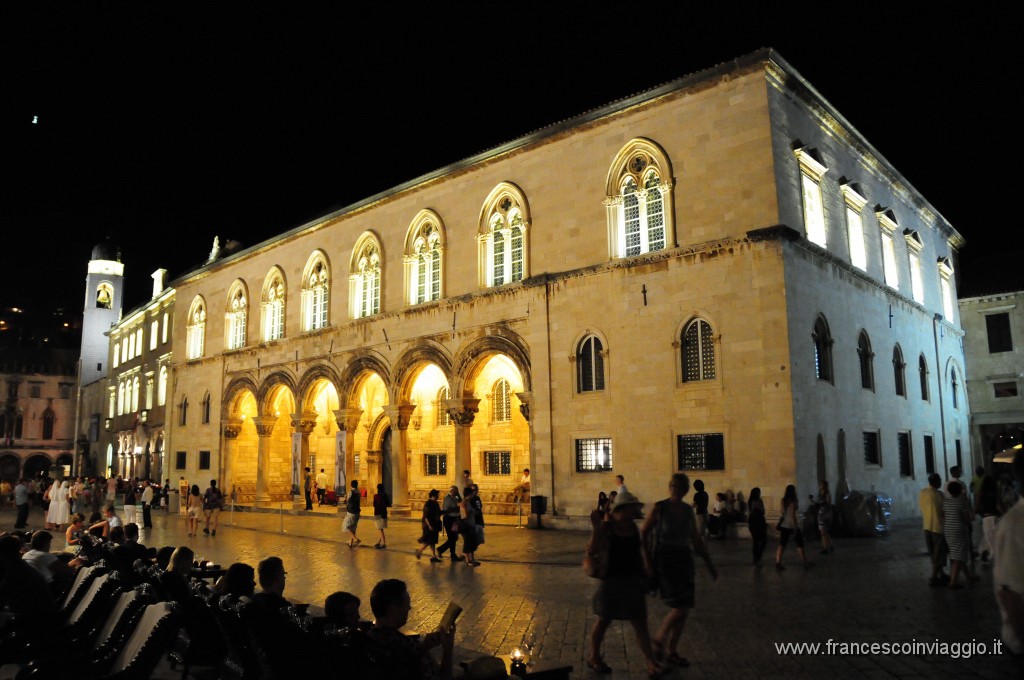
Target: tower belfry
{"x":104,"y":297}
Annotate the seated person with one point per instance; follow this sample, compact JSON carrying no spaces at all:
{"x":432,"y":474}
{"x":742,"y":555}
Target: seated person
{"x":178,"y":575}
{"x":110,"y":520}
{"x":342,"y":611}
{"x":57,"y":574}
{"x":287,"y":647}
{"x":128,"y":550}
{"x":238,"y":581}
{"x":399,"y":656}
{"x":163,"y":556}
{"x":24,"y":593}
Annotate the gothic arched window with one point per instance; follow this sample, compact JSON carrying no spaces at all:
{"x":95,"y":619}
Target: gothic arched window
{"x":315,"y":295}
{"x":866,"y":357}
{"x":501,"y":402}
{"x":195,"y":330}
{"x":590,"y":365}
{"x":698,"y":351}
{"x":237,"y":315}
{"x":273,"y":307}
{"x":822,"y":350}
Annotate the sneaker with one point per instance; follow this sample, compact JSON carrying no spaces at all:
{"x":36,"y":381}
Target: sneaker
{"x":779,"y":567}
{"x":436,"y":559}
{"x":213,"y":533}
{"x":206,"y":531}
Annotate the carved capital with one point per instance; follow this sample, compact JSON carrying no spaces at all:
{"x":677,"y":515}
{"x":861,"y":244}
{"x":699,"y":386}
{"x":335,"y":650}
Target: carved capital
{"x":400,"y":416}
{"x":462,"y":411}
{"x":303,"y":422}
{"x":232,"y":428}
{"x":348,"y":418}
{"x":265,"y":425}
{"x":525,"y":399}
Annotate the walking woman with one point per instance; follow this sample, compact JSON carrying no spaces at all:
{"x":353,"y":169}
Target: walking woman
{"x":824,"y":503}
{"x":789,"y":526}
{"x":431,"y":526}
{"x":621,"y":594}
{"x":467,"y":527}
{"x":956,"y":523}
{"x":194,"y":509}
{"x":380,"y":516}
{"x":757,"y":524}
{"x":671,"y":529}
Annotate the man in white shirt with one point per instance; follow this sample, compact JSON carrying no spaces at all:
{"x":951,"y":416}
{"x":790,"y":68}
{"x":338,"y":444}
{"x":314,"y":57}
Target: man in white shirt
{"x":321,"y":486}
{"x":147,"y":504}
{"x":45,"y":562}
{"x":110,"y":521}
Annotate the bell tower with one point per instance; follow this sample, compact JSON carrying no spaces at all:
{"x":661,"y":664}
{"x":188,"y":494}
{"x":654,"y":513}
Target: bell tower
{"x":104,"y":297}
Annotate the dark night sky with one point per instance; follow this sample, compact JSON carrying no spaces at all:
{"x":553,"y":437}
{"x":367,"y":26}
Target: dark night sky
{"x":166,"y":127}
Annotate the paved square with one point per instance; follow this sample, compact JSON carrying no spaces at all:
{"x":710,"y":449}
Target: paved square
{"x":869,"y":590}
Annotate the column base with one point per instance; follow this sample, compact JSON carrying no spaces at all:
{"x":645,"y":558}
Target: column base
{"x":400,"y":510}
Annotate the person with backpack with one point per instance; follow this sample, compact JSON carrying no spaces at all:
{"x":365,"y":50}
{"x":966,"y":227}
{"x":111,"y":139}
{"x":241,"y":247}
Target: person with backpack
{"x":213,"y":502}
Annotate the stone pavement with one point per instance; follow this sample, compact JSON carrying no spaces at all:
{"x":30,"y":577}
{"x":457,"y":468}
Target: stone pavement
{"x":869,"y":590}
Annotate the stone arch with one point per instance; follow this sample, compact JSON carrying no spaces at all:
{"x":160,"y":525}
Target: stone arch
{"x":639,"y":146}
{"x":314,"y":374}
{"x":406,"y":368}
{"x":234,"y":393}
{"x":360,"y":364}
{"x":500,"y":341}
{"x":271,"y":386}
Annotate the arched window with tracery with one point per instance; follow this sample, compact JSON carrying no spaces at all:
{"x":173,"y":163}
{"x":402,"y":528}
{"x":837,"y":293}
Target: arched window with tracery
{"x":135,"y":395}
{"x":424,"y":262}
{"x":120,"y":398}
{"x":365,"y":278}
{"x":183,"y":411}
{"x":48,"y":419}
{"x":273,"y":306}
{"x":443,"y":418}
{"x":697,"y":348}
{"x":207,"y":401}
{"x":501,"y":402}
{"x":899,"y":371}
{"x":504,"y":236}
{"x":590,"y":365}
{"x":315,"y":294}
{"x":237,"y":315}
{"x":822,"y":338}
{"x":638,"y":200}
{"x":195,"y":329}
{"x":867,"y":360}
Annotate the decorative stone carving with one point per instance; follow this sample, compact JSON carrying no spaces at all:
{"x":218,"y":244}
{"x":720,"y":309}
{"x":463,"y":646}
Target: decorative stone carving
{"x":232,"y":428}
{"x":265,"y":425}
{"x":348,"y":418}
{"x":463,"y":411}
{"x":525,"y":399}
{"x":303,"y":422}
{"x":400,"y":416}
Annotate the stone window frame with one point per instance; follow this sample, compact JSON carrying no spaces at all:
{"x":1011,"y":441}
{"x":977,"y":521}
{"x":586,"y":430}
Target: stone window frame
{"x":505,"y":213}
{"x":821,"y":338}
{"x":316,"y":292}
{"x":425,"y":239}
{"x":366,"y":277}
{"x":273,"y":305}
{"x":914,"y":248}
{"x":812,"y":198}
{"x":899,"y":368}
{"x":236,"y":316}
{"x":854,"y":202}
{"x":946,"y":288}
{"x":680,"y":345}
{"x":644,"y":164}
{"x":598,"y":362}
{"x":906,"y":457}
{"x":887,"y":228}
{"x":195,"y":329}
{"x":704,"y":439}
{"x":597,"y":467}
{"x":866,"y":359}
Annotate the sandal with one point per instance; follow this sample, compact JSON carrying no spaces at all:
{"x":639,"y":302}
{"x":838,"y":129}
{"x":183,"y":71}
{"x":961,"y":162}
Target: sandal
{"x":659,"y":650}
{"x":677,"y":660}
{"x":599,"y":666}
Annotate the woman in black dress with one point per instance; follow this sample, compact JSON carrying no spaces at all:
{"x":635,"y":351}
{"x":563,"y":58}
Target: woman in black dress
{"x":621,"y":596}
{"x":757,"y":524}
{"x":431,"y":526}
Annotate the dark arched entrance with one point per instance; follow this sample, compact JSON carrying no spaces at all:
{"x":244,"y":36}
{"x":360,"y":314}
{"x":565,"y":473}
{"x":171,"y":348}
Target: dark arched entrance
{"x":385,"y":463}
{"x":37,"y":465}
{"x":10,"y":467}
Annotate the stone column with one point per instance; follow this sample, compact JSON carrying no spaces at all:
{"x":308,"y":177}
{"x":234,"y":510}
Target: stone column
{"x":400,"y":417}
{"x":302,"y":425}
{"x":229,"y":451}
{"x":264,"y":428}
{"x":462,"y":412}
{"x":344,"y":469}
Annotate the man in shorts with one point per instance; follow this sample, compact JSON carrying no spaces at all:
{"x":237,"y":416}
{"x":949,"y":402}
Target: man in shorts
{"x":213,"y":501}
{"x":352,"y":515}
